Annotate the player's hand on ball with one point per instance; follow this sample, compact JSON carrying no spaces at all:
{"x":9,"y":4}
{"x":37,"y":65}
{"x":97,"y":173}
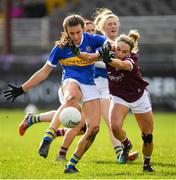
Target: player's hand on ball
{"x":73,"y":47}
{"x":13,"y":93}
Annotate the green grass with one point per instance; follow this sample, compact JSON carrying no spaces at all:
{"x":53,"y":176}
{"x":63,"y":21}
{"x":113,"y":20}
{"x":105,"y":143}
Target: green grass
{"x":19,"y":157}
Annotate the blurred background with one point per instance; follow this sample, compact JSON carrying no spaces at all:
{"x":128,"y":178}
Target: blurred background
{"x":28,"y":29}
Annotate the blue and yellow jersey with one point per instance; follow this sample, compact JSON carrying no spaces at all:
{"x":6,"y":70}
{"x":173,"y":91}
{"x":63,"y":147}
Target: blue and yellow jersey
{"x":74,"y":67}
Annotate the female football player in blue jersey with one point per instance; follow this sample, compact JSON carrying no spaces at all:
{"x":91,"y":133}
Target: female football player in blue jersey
{"x":77,"y":84}
{"x":128,"y":91}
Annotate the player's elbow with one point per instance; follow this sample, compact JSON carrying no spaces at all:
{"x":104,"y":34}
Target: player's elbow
{"x":43,"y":76}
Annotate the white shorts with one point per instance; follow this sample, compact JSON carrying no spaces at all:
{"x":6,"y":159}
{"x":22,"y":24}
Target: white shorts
{"x":142,"y":105}
{"x":102,"y":86}
{"x":89,"y":92}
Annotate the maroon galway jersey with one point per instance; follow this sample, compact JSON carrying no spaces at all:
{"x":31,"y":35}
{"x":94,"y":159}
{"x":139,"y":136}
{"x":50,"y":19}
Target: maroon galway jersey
{"x":127,"y":85}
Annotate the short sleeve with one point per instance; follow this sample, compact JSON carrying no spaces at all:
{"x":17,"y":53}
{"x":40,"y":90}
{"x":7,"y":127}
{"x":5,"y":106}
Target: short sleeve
{"x":54,"y":56}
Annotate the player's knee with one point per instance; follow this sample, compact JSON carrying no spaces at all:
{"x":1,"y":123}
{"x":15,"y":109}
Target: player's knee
{"x":115,"y":128}
{"x":71,"y":100}
{"x":147,"y":139}
{"x":95,"y":130}
{"x":92,"y":133}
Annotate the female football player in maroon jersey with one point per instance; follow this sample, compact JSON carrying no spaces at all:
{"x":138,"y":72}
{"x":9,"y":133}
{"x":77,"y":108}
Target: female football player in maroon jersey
{"x":128,"y":92}
{"x":107,"y":24}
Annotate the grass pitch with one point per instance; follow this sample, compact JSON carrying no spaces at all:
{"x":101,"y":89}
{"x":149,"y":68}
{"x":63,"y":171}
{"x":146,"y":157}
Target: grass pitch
{"x":19,"y":157}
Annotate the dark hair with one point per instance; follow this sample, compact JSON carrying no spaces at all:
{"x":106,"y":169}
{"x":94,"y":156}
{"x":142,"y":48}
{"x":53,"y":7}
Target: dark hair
{"x":87,"y":21}
{"x":73,"y":20}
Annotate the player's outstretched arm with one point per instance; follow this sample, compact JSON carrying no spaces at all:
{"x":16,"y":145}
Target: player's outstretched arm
{"x":38,"y":77}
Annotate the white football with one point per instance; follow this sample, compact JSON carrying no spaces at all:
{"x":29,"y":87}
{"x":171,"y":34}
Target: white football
{"x":70,"y":117}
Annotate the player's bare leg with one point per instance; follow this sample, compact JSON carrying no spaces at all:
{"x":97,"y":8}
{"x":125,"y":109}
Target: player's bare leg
{"x":50,"y":133}
{"x":145,"y":122}
{"x":92,"y":119}
{"x":68,"y":139}
{"x":31,"y":119}
{"x":118,"y":112}
{"x":72,"y":95}
{"x":105,"y":103}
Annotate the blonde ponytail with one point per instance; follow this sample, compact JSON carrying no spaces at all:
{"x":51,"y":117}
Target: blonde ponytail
{"x":134,"y":36}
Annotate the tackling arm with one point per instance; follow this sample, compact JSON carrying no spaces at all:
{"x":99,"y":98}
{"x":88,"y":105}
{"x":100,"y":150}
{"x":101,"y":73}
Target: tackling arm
{"x":117,"y":63}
